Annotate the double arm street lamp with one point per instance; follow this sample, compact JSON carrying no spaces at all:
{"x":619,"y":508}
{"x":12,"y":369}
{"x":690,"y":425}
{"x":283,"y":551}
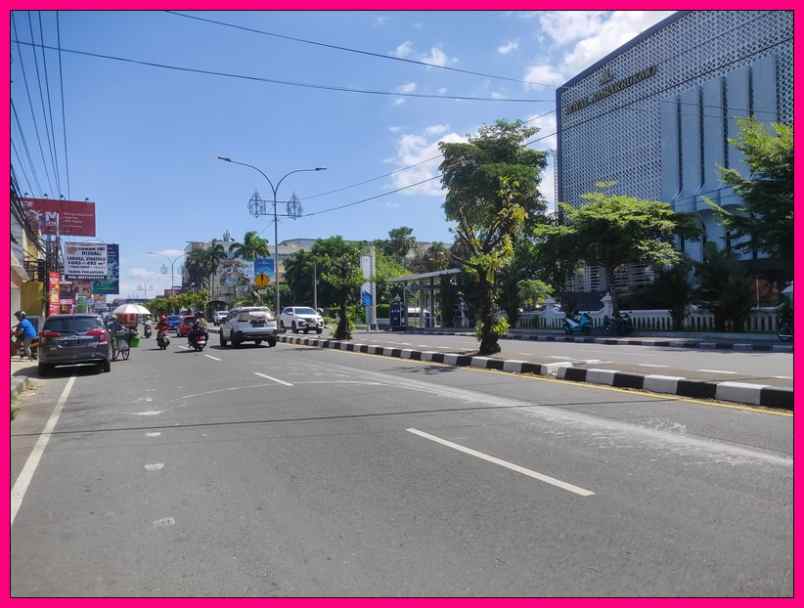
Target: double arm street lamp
{"x":173,"y":261}
{"x":274,"y":189}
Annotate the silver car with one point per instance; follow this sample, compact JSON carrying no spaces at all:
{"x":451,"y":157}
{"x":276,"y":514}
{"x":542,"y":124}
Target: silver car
{"x":73,"y":339}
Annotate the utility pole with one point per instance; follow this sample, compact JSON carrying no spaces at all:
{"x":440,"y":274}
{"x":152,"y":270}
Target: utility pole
{"x":315,"y":286}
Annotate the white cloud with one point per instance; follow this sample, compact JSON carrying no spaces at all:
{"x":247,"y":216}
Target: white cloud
{"x":394,"y":129}
{"x":437,"y":56}
{"x":442,"y":91}
{"x":496,"y":95}
{"x":436,"y":129}
{"x":542,"y":74}
{"x":171,"y":252}
{"x":509,"y":46}
{"x":399,"y":101}
{"x":404,"y":50}
{"x":424,"y":153}
{"x":547,"y":129}
{"x":565,"y":26}
{"x":595,"y":34}
{"x":408,"y":87}
{"x":142,"y":273}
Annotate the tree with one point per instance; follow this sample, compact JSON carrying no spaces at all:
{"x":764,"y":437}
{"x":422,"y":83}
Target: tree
{"x":533,"y":292}
{"x":765,"y":220}
{"x":252,"y":247}
{"x":522,"y":267}
{"x":492,"y":186}
{"x":671,"y":289}
{"x":299,"y":276}
{"x":724,"y":285}
{"x":400,"y":242}
{"x":213,"y":256}
{"x":340,"y":270}
{"x":436,"y":257}
{"x":611,"y":230}
{"x":556,"y":259}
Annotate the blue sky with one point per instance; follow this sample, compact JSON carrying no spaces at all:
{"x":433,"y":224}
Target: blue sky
{"x":142,"y":142}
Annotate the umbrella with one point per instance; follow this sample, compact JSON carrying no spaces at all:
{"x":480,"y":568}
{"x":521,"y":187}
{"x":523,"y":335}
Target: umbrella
{"x":131,"y":309}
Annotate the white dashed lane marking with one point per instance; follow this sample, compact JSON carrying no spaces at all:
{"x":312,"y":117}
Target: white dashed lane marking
{"x":213,"y":358}
{"x":717,"y":371}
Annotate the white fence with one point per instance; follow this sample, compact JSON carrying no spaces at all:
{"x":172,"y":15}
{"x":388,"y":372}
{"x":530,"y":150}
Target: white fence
{"x":762,"y":320}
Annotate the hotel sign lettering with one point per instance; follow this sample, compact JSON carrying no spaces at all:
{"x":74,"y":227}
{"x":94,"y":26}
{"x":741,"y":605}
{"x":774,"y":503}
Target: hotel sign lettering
{"x":610,"y":89}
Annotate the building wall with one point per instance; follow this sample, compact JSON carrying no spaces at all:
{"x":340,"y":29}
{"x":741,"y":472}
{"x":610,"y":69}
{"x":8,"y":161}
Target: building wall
{"x":662,"y":137}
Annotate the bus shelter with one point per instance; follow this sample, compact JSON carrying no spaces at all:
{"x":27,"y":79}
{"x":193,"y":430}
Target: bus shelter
{"x":420,"y":302}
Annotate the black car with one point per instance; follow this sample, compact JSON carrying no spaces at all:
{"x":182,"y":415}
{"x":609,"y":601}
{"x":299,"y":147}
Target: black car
{"x":73,"y":339}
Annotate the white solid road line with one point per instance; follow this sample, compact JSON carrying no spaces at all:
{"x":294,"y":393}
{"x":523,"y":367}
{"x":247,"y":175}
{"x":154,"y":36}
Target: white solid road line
{"x":213,"y":358}
{"x":27,"y":473}
{"x":504,"y":463}
{"x":717,"y":371}
{"x":652,"y":365}
{"x":783,"y":377}
{"x":156,"y":466}
{"x":267,"y":377}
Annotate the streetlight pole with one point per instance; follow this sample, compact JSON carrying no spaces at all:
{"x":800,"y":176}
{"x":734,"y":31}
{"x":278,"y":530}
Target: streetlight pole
{"x":275,"y":190}
{"x":173,"y":261}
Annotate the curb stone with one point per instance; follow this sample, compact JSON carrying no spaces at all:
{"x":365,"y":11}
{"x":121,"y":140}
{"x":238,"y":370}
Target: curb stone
{"x":736,"y":392}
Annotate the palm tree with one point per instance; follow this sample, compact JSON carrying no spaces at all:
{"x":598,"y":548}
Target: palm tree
{"x":252,"y":247}
{"x":213,"y":257}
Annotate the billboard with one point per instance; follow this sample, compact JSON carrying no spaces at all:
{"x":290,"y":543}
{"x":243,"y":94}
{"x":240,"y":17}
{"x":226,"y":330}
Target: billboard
{"x":53,"y":293}
{"x":85,"y":260}
{"x":264,"y":266}
{"x":110,"y":284}
{"x":67,"y":218}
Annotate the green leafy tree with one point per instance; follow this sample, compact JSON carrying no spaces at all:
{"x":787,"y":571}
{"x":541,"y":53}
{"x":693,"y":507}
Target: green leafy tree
{"x":298,"y":276}
{"x":341,"y":271}
{"x":725,"y":287}
{"x":252,"y":247}
{"x":400,"y":242}
{"x":765,"y":219}
{"x":611,"y":230}
{"x":492,"y":187}
{"x":522,"y":267}
{"x":533,"y":292}
{"x":436,"y":257}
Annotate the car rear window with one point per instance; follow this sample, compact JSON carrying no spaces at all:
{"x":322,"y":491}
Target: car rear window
{"x":72,"y":325}
{"x":256,"y":314}
{"x":305,"y":311}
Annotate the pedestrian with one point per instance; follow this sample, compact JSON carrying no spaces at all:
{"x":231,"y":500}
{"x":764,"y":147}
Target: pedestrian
{"x":28,"y":333}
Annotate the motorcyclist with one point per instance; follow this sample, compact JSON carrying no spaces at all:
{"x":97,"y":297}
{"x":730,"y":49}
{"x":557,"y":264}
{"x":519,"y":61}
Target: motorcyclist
{"x":199,"y":328}
{"x":27,"y":332}
{"x":162,"y":325}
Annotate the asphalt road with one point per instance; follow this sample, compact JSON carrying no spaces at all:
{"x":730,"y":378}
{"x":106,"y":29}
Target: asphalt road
{"x":772,"y":369}
{"x":299,"y":471}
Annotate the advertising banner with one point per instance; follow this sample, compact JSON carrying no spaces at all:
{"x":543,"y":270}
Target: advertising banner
{"x":53,"y":293}
{"x":264,"y":266}
{"x":111,"y":284}
{"x":85,"y":260}
{"x":68,"y":218}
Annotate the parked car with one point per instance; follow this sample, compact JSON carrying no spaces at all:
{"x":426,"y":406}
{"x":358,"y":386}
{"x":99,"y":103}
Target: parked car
{"x":73,"y":339}
{"x":185,"y":326}
{"x":220,"y":316}
{"x":301,"y":318}
{"x":248,"y":324}
{"x":174,"y":321}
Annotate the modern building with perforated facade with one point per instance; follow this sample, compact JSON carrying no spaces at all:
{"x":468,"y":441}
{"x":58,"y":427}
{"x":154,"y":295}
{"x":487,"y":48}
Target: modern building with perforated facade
{"x":655,"y":116}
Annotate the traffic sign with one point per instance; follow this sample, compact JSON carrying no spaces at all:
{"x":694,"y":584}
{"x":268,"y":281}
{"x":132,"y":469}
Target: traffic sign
{"x":262,"y":280}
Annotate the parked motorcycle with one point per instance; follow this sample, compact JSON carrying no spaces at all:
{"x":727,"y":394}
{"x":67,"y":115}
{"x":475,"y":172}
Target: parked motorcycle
{"x":581,"y":325}
{"x":162,"y":340}
{"x":620,"y":325}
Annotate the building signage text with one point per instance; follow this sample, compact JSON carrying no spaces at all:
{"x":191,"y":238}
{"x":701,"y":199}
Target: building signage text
{"x":608,"y":90}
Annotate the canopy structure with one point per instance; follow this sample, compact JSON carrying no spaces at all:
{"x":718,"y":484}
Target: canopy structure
{"x":131,"y":309}
{"x":427,"y":290}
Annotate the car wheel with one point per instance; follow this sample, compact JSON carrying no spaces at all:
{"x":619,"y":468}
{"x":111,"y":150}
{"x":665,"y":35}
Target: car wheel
{"x":306,"y":330}
{"x":257,"y":342}
{"x":223,"y":340}
{"x":235,"y":341}
{"x":319,"y":330}
{"x":271,"y":343}
{"x":44,"y":369}
{"x":295,"y":329}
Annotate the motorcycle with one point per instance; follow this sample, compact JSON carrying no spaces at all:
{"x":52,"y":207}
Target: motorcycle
{"x":147,"y":331}
{"x":17,"y":344}
{"x":162,"y":340}
{"x":620,"y":325}
{"x":579,"y":325}
{"x":197,"y":341}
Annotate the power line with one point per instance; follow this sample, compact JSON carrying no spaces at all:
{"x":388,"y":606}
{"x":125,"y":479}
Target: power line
{"x":63,"y":119}
{"x":371,"y":198}
{"x":357,"y":51}
{"x":49,"y":105}
{"x":42,"y":100}
{"x":291,"y":83}
{"x":25,"y":144}
{"x":20,"y":165}
{"x":30,"y":102}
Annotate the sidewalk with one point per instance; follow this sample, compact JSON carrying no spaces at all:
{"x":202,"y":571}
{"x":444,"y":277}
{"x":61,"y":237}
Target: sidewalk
{"x":22,"y":370}
{"x":725,"y":341}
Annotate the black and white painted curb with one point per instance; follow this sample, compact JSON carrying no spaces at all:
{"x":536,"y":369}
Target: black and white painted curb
{"x":737,"y":392}
{"x":745,"y":347}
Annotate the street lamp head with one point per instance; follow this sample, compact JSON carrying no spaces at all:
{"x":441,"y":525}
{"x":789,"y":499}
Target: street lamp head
{"x":225,"y":158}
{"x":320,"y":168}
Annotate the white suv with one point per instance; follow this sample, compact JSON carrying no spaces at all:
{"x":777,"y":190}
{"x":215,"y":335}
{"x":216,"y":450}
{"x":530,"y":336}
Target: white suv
{"x":301,"y":318}
{"x":248,"y":324}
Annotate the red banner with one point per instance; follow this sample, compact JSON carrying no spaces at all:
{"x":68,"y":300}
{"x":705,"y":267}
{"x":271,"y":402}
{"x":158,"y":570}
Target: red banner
{"x":67,"y":218}
{"x":53,"y":293}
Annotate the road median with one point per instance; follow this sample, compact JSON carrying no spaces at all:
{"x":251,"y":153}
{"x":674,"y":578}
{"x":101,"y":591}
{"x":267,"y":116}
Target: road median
{"x":734,"y":392}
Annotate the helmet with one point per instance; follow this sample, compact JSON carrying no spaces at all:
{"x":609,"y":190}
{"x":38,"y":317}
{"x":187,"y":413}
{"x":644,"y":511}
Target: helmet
{"x":199,"y":314}
{"x":19,"y":314}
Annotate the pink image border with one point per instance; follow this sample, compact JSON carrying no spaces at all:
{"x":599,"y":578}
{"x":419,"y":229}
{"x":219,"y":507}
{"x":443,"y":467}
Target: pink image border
{"x":390,"y":5}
